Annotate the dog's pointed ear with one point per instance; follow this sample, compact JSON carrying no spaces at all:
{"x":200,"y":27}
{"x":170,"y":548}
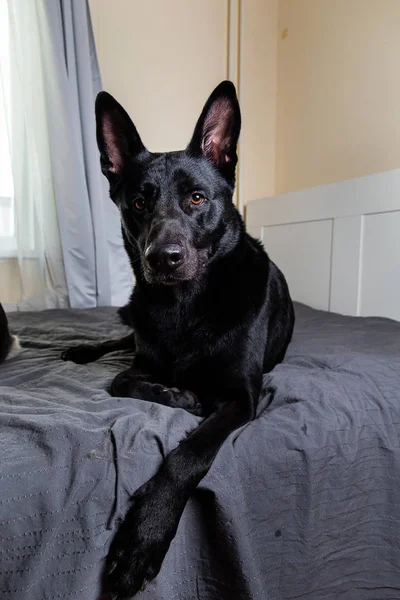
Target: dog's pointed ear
{"x":117,"y":137}
{"x":217,"y":130}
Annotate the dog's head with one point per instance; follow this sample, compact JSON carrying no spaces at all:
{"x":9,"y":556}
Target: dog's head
{"x":175,"y":206}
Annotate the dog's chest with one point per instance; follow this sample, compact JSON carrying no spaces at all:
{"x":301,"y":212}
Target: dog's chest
{"x":179,"y":335}
{"x":172,"y":327}
{"x":176,"y":335}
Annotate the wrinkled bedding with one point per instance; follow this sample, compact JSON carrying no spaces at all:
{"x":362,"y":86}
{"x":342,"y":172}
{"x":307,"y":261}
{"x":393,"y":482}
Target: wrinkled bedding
{"x":303,"y":503}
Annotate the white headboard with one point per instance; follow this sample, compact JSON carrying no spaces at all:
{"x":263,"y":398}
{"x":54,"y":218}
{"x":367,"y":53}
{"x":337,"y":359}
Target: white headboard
{"x":338,"y":245}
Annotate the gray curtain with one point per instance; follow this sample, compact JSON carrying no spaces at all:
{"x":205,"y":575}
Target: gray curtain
{"x":96,"y":267}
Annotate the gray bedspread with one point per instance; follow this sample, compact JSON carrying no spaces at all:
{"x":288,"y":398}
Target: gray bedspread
{"x":303,"y":503}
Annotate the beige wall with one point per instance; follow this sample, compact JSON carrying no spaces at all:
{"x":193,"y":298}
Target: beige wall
{"x":162,"y":58}
{"x":10,"y":280}
{"x":258,"y":92}
{"x":318,"y":81}
{"x":338,"y":98}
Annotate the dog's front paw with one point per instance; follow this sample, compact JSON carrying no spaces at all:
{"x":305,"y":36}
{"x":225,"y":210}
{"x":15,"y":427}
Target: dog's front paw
{"x":142,"y":541}
{"x":123,"y":385}
{"x":156,"y":392}
{"x":130,"y":569}
{"x":189,"y":401}
{"x":82,"y":354}
{"x":127,"y":385}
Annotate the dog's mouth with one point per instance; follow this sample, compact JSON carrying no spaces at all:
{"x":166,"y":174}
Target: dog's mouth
{"x":173,"y":281}
{"x":165,"y":279}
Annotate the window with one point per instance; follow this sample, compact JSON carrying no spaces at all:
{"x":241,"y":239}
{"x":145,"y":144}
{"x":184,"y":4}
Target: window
{"x":8,"y":243}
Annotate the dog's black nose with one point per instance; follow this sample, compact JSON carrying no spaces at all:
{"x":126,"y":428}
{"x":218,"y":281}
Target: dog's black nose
{"x":165,"y":258}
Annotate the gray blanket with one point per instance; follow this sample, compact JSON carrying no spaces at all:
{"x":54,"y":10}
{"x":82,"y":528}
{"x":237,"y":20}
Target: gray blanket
{"x":303,"y":503}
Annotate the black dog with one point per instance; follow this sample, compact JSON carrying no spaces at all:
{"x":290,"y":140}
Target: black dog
{"x":210,"y":312}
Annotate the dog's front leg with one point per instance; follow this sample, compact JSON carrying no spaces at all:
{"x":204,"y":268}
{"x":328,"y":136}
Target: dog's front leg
{"x":86,"y":353}
{"x":141,"y":543}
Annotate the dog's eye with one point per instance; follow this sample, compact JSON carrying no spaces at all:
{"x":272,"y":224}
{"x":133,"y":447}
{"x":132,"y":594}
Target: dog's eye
{"x":197,"y":198}
{"x":139,"y":204}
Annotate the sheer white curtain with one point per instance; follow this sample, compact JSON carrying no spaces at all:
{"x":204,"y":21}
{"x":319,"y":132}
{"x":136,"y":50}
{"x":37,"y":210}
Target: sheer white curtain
{"x":66,"y":248}
{"x":7,"y":225}
{"x":36,"y":277}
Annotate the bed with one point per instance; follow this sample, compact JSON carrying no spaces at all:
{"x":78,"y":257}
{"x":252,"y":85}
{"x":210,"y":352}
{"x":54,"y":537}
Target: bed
{"x":338,"y":244}
{"x":302,"y":503}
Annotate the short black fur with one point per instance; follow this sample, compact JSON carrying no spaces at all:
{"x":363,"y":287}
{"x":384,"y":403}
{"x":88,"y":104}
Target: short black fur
{"x":210,"y":312}
{"x":7,"y":341}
